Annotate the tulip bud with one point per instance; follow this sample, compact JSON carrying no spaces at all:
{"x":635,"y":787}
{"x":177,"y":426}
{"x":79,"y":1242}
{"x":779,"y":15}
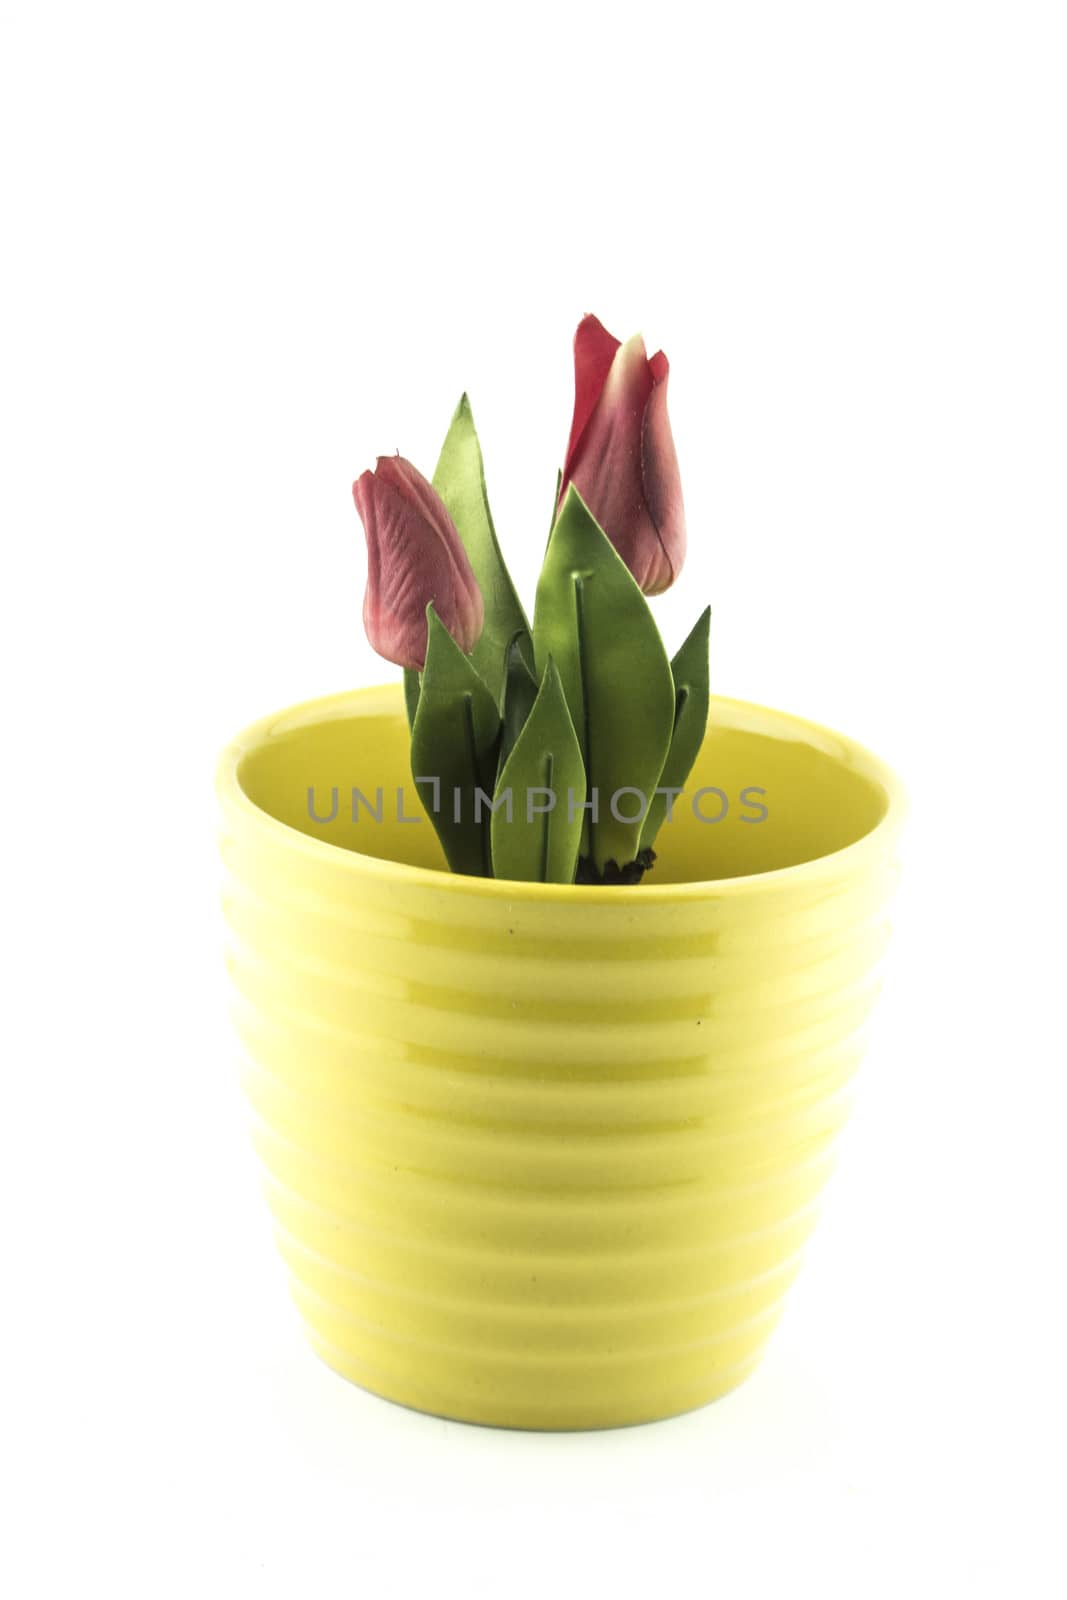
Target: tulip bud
{"x":414,"y":556}
{"x":621,"y":455}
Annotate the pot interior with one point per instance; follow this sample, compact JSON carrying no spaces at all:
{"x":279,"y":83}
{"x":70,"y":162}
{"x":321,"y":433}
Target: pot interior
{"x":768,"y":790}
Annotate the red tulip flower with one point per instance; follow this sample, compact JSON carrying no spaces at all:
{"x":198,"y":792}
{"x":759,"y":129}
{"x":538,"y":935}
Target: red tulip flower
{"x":621,"y":455}
{"x":414,"y":556}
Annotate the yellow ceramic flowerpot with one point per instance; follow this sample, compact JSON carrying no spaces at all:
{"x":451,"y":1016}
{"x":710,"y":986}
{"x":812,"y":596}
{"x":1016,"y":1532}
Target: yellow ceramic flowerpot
{"x":547,"y":1156}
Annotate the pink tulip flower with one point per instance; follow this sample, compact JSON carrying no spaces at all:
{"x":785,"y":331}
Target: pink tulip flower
{"x":621,"y":455}
{"x":414,"y":556}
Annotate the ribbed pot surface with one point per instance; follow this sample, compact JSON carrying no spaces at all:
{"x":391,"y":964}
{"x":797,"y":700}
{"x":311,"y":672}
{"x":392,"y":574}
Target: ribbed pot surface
{"x":545,"y":1157}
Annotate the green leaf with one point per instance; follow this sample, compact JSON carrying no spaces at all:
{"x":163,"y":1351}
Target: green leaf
{"x":555,"y":503}
{"x":595,"y":623}
{"x":534,"y":845}
{"x":460,"y":481}
{"x":520,"y":692}
{"x":690,"y":673}
{"x":454,"y":741}
{"x":411,"y":694}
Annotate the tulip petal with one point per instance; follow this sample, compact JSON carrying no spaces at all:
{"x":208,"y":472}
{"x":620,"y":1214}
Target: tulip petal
{"x":410,"y":484}
{"x":607,"y":467}
{"x":661,"y":481}
{"x":413,"y":557}
{"x":594,"y":351}
{"x":390,"y":604}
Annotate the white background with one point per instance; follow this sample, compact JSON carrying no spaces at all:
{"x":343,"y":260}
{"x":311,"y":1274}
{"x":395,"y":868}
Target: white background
{"x":246,"y":248}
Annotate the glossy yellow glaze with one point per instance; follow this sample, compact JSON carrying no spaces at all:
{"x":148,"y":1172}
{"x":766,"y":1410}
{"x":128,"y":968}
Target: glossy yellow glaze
{"x":545,"y":1156}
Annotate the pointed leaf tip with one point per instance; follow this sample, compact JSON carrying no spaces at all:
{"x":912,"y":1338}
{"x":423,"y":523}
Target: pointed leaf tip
{"x":544,"y":782}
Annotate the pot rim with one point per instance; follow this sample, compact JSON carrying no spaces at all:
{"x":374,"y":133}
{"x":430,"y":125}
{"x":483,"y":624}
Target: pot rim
{"x":747,"y":715}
